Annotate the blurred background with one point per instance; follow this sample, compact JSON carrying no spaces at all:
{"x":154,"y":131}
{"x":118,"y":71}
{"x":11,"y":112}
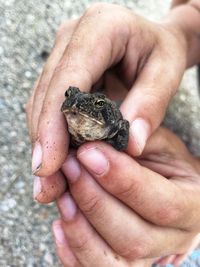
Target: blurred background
{"x":27,"y":31}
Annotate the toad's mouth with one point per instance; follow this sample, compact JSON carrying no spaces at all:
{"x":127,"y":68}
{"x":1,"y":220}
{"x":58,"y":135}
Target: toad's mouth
{"x":73,"y":111}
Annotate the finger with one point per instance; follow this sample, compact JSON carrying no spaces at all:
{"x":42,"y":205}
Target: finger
{"x":132,"y":237}
{"x":137,"y":186}
{"x":47,"y":189}
{"x":84,"y":61}
{"x":63,"y":36}
{"x":165,"y":260}
{"x":29,"y":107}
{"x":88,"y":247}
{"x":178,"y":259}
{"x":64,"y":252}
{"x":146,"y":102}
{"x":62,"y":39}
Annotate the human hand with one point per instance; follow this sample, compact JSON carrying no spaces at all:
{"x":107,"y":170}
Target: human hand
{"x":135,"y":209}
{"x":149,"y":58}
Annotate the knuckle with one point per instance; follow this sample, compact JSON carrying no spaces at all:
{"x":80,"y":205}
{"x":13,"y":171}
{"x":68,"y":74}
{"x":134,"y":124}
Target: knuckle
{"x":103,"y":10}
{"x":170,"y":214}
{"x":80,"y":244}
{"x":66,"y":26}
{"x":137,"y":251}
{"x":130,"y":190}
{"x":93,"y":206}
{"x":96,"y":8}
{"x":74,"y":72}
{"x":61,"y":66}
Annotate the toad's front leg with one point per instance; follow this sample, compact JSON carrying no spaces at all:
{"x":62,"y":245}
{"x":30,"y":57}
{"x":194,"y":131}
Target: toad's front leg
{"x":120,"y":140}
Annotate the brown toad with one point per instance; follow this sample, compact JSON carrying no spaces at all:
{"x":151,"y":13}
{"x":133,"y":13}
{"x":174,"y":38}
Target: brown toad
{"x":94,"y":117}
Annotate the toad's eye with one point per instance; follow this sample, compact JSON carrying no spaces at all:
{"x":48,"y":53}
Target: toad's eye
{"x":99,"y":103}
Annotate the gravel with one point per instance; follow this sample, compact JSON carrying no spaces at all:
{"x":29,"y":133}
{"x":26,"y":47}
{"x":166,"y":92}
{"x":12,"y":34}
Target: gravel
{"x":27,"y":30}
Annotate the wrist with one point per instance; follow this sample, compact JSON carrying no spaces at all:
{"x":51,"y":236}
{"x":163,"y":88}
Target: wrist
{"x":185,"y":19}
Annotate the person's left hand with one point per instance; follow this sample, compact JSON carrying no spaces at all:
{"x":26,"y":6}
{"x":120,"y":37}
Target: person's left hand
{"x":128,"y":209}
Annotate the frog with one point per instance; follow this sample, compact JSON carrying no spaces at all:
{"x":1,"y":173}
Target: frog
{"x":93,"y":116}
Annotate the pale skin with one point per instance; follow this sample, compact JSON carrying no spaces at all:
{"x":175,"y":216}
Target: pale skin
{"x":155,"y":56}
{"x":136,"y":212}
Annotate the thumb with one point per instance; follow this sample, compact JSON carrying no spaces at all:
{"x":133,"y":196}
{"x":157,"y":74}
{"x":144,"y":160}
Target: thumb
{"x":145,"y":105}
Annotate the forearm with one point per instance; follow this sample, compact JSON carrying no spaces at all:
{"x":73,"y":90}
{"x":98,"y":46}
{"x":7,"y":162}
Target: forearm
{"x":187,"y":18}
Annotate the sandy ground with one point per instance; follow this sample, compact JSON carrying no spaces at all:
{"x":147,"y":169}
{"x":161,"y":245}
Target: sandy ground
{"x":27,"y":30}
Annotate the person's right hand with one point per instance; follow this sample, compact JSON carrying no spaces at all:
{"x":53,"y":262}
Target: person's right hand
{"x":148,"y":57}
{"x":140,"y":208}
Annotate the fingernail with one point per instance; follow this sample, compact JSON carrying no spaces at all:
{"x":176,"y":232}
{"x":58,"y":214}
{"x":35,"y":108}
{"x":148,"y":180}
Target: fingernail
{"x":140,"y":131}
{"x":37,"y":187}
{"x":94,"y":160}
{"x":36,"y":157}
{"x":72,"y":169}
{"x":59,"y":235}
{"x":67,"y":207}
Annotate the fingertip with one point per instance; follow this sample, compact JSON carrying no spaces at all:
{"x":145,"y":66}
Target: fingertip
{"x":36,"y":157}
{"x":64,"y":252}
{"x":179,"y":259}
{"x":67,"y":207}
{"x":47,"y":189}
{"x":56,"y":224}
{"x":37,"y":187}
{"x":100,"y":144}
{"x":140,"y":131}
{"x":51,"y":158}
{"x":51,"y":147}
{"x":59,"y":234}
{"x":94,"y":159}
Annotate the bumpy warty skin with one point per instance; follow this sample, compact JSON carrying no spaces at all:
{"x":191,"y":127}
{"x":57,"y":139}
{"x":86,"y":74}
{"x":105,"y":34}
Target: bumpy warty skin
{"x":94,"y":117}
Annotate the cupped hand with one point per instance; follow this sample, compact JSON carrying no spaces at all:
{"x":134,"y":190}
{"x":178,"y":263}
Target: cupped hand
{"x":129,"y":209}
{"x":148,"y":57}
